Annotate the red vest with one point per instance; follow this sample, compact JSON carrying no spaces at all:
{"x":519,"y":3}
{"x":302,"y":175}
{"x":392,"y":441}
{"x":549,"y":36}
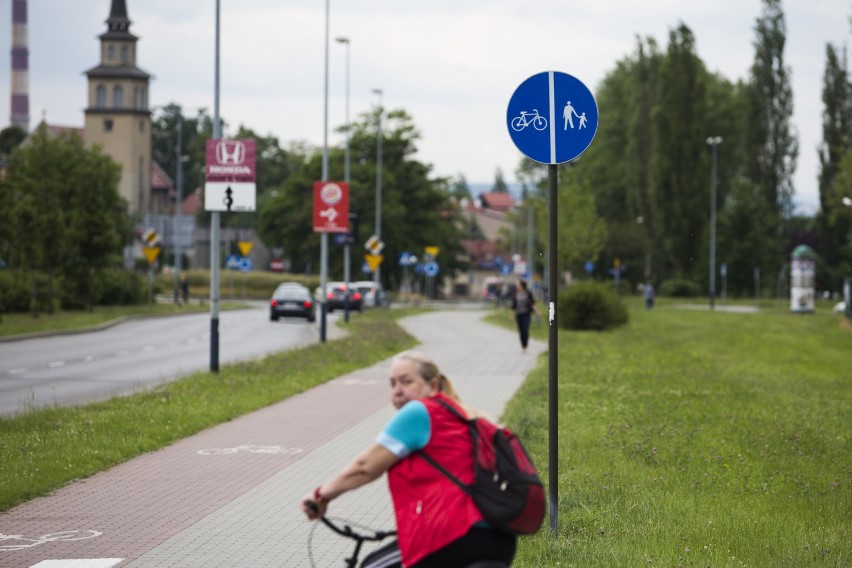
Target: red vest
{"x":431,"y":511}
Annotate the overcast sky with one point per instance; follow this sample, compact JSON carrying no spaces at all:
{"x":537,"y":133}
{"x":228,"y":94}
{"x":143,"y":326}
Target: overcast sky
{"x":451,"y":64}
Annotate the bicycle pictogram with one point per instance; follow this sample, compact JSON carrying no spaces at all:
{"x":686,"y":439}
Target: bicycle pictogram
{"x":274,"y":450}
{"x":529,"y":118}
{"x":50,"y":537}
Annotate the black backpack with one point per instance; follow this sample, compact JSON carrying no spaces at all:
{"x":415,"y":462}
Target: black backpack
{"x":506,"y":487}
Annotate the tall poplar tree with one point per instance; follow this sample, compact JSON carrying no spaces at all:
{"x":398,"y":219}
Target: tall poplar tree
{"x":679,"y":134}
{"x":836,"y":143}
{"x":773,"y":146}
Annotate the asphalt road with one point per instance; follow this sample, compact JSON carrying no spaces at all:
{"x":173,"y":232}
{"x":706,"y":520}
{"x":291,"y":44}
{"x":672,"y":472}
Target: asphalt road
{"x":72,"y":369}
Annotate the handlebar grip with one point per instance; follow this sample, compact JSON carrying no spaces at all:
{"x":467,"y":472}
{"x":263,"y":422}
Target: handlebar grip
{"x":312,"y":505}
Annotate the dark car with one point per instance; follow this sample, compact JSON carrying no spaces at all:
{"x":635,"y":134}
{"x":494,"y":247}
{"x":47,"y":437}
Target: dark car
{"x":292,"y":301}
{"x":335,"y":294}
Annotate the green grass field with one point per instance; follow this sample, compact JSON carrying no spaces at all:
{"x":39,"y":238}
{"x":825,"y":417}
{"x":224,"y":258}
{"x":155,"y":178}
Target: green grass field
{"x":695,"y":438}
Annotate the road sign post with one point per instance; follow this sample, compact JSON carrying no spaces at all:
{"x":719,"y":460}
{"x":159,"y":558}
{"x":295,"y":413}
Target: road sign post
{"x":552,"y":118}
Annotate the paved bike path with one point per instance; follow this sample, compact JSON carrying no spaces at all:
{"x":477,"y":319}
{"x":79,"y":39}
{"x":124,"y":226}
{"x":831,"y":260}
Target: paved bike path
{"x":229,"y":496}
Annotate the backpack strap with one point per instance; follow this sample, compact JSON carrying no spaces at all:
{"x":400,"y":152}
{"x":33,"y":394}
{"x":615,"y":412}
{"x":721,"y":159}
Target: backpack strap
{"x":438,"y":466}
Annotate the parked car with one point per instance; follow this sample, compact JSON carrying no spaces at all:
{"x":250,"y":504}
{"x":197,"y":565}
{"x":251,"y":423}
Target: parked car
{"x":335,"y":295}
{"x":373,"y":294}
{"x":292,"y":300}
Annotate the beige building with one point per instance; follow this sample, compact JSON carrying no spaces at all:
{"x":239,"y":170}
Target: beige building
{"x":117,"y":115}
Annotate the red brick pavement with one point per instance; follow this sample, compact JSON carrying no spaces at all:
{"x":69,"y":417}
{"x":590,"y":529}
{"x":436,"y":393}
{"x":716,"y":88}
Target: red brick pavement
{"x":139,"y":504}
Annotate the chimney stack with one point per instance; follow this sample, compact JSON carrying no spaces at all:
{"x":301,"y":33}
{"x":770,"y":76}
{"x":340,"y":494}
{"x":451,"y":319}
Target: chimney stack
{"x":20,"y":67}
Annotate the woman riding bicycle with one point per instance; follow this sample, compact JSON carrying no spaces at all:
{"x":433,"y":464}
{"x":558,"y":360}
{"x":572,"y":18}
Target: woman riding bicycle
{"x":438,"y":524}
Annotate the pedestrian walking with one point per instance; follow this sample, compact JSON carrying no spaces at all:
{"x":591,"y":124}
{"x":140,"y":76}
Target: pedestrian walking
{"x":649,"y":296}
{"x":523,"y":306}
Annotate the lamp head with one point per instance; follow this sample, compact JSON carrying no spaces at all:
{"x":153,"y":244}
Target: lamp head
{"x":342,"y":40}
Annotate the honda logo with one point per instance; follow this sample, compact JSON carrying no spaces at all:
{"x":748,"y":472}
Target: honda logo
{"x":230,"y":152}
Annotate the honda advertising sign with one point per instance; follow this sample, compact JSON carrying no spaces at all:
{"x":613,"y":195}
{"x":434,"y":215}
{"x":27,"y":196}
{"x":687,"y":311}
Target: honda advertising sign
{"x":230,"y":175}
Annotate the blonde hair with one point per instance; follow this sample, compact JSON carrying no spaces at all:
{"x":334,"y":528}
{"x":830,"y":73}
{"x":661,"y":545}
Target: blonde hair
{"x":428,"y":369}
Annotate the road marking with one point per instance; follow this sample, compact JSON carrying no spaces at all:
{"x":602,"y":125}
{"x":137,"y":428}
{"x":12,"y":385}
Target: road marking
{"x":270,"y":450}
{"x":359,"y":382}
{"x":122,"y":353}
{"x":149,"y":348}
{"x":15,"y":371}
{"x":79,"y":563}
{"x":20,"y":542}
{"x":56,"y":364}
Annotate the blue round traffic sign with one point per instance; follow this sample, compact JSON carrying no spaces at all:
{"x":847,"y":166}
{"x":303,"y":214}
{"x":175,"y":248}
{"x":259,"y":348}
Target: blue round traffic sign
{"x":552,"y":117}
{"x":431,"y":269}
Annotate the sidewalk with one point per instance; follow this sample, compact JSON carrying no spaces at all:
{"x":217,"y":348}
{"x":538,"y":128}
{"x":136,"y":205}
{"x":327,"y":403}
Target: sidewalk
{"x":229,"y":496}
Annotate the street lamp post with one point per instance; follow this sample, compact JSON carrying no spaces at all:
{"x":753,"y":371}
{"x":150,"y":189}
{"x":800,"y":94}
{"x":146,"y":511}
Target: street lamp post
{"x":377,"y":273}
{"x":713,"y":142}
{"x":346,"y":268}
{"x":324,"y":236}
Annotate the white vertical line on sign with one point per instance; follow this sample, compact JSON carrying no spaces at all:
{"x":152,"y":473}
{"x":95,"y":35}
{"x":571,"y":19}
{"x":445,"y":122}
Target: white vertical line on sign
{"x":550,"y":89}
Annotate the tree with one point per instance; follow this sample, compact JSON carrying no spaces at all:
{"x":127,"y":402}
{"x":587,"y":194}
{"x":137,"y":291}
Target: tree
{"x":679,"y":134}
{"x":772,"y":144}
{"x":459,"y":188}
{"x":10,"y":138}
{"x":836,"y":144}
{"x":499,"y":183}
{"x":67,"y":214}
{"x":417,"y":210}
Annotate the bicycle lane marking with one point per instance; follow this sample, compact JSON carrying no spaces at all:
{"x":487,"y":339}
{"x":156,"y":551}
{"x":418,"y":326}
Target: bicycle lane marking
{"x":142,"y":503}
{"x":79,"y":563}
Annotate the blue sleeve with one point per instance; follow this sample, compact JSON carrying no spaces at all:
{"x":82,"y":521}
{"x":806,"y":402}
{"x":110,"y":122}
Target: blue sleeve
{"x":408,"y":431}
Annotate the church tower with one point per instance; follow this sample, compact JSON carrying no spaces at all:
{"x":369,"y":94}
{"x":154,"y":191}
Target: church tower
{"x":117,"y":116}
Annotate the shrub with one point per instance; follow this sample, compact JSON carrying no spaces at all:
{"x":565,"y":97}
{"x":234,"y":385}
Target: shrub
{"x":680,"y":288}
{"x":590,"y":305}
{"x":122,"y":287}
{"x":15,"y":291}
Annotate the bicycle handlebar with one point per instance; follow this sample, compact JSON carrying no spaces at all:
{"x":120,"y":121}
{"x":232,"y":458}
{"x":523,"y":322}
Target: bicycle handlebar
{"x":349,"y":532}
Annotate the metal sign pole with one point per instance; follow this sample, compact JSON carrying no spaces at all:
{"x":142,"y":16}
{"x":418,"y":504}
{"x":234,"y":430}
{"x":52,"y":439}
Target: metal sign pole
{"x":552,"y":350}
{"x":214,"y":227}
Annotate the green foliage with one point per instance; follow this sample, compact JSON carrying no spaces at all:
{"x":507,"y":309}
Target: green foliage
{"x":66,"y":219}
{"x":15,"y":291}
{"x":416,"y":209}
{"x":680,"y":288}
{"x":591,"y":306}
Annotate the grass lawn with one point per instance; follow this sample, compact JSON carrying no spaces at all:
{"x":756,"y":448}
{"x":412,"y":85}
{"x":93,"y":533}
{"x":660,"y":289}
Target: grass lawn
{"x":696,"y":438}
{"x":24,"y":324}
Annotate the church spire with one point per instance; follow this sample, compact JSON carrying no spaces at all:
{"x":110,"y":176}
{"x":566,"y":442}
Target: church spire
{"x":118,"y":24}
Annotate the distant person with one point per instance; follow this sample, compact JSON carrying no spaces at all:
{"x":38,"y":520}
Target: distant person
{"x":649,"y":296}
{"x":184,"y":288}
{"x":523,"y":306}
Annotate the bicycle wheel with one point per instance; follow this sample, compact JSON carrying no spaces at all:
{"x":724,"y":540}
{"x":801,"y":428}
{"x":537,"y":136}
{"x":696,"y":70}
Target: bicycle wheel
{"x":539,"y":123}
{"x":518,"y":124}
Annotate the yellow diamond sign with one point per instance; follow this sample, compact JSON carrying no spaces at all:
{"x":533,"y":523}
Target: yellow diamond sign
{"x":432,"y":251}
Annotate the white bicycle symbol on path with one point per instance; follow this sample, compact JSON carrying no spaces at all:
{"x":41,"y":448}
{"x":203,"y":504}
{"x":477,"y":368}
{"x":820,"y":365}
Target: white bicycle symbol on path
{"x":275,"y":450}
{"x":527,"y":118}
{"x":51,"y":537}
